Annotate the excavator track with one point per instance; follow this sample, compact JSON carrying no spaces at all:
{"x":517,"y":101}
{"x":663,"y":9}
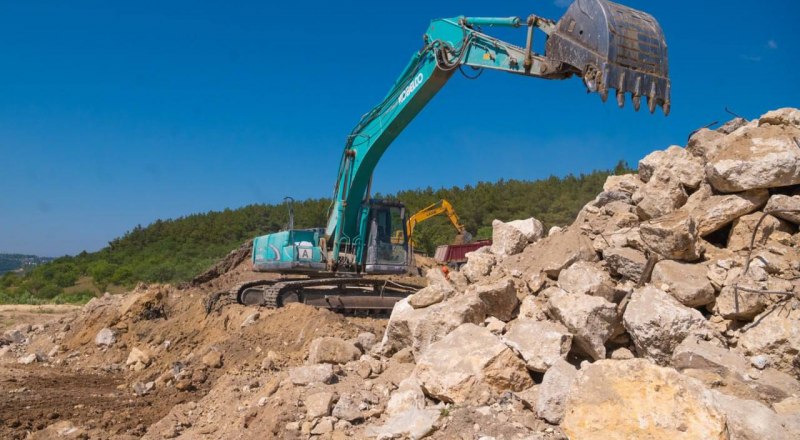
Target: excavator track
{"x":341,"y":294}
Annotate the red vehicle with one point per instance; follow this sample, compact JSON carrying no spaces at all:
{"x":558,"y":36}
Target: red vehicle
{"x":455,"y":255}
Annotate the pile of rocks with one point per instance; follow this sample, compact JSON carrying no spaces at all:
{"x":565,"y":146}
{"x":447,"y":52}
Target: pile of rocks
{"x":644,"y":318}
{"x":651,"y":316}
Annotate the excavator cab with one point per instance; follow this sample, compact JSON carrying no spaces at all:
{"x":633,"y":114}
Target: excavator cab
{"x":386,"y":254}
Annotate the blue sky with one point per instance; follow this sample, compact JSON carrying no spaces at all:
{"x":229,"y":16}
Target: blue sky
{"x":114,"y":114}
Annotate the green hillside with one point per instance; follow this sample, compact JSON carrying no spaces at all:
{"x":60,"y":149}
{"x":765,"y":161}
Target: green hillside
{"x":176,"y":250}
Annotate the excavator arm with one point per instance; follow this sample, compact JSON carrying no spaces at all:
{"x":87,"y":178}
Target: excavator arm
{"x":609,"y":46}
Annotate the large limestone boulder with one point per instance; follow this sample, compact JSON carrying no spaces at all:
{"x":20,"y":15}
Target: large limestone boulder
{"x":531,"y":228}
{"x":590,"y":319}
{"x":713,"y":212}
{"x":697,"y":354}
{"x":332,"y":350}
{"x":658,"y":323}
{"x":687,"y":283}
{"x":661,"y":195}
{"x":775,"y":334}
{"x":552,"y":254}
{"x":479,"y":264}
{"x":672,"y":236}
{"x":626,"y":262}
{"x":742,"y":230}
{"x":540,"y":343}
{"x":686,"y":167}
{"x":587,"y":279}
{"x":419,"y":328}
{"x":553,"y":392}
{"x":705,"y":143}
{"x":785,"y":207}
{"x":634,"y":399}
{"x":628,"y":183}
{"x":751,"y":420}
{"x":470,"y":362}
{"x":428,"y":296}
{"x":507,"y":239}
{"x":781,"y":116}
{"x":500,"y":298}
{"x":766,"y":156}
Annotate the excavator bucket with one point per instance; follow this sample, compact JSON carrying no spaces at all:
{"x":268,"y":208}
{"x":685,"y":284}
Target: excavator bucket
{"x":613,"y":47}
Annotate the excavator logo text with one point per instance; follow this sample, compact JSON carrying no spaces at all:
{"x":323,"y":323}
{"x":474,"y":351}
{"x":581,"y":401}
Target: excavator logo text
{"x":410,"y":88}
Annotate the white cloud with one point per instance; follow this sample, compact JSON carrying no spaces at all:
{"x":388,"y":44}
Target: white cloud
{"x":772,"y":44}
{"x":562,"y":3}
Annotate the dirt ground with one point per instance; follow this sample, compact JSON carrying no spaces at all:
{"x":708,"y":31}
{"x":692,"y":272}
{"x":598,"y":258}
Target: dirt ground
{"x":77,"y":388}
{"x":15,"y":314}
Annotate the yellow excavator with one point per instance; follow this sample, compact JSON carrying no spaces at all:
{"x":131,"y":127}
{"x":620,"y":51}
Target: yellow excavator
{"x":438,"y":208}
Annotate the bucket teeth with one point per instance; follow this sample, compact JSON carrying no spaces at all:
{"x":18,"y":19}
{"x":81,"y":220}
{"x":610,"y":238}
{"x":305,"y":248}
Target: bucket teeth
{"x":610,"y":45}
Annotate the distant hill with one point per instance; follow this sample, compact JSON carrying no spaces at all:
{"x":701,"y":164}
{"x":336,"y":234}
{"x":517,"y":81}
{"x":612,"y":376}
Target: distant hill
{"x":20,"y":262}
{"x":176,"y":250}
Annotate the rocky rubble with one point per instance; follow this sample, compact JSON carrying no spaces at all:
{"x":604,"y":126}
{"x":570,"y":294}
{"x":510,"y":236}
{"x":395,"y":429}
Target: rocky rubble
{"x":642,"y":319}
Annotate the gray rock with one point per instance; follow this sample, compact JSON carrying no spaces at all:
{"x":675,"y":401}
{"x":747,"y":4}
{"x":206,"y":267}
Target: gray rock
{"x":366,"y":340}
{"x":28,"y":359}
{"x":626,"y":262}
{"x":308,"y":374}
{"x":347,"y":409}
{"x":408,"y":395}
{"x":540,"y":343}
{"x":105,"y":337}
{"x":590,"y":319}
{"x":319,"y":404}
{"x":658,"y":323}
{"x":553,"y":392}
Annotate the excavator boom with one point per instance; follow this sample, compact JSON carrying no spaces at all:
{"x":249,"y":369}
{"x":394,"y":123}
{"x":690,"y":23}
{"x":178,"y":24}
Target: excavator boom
{"x":609,"y":46}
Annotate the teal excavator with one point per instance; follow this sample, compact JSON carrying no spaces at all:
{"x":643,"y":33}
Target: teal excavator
{"x":607,"y":45}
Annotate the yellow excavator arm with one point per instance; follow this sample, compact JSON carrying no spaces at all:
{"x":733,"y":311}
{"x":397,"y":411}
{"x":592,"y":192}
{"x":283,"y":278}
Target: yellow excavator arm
{"x":438,"y":208}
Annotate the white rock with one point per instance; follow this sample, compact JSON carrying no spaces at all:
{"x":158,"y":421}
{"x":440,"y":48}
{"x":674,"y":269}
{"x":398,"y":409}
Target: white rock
{"x":105,"y":337}
{"x":553,"y":392}
{"x":590,"y":319}
{"x":413,"y":424}
{"x":308,"y":374}
{"x":500,"y":297}
{"x":626,"y":262}
{"x":468,"y":362}
{"x":531,"y":228}
{"x":507,"y":239}
{"x":774,"y":334}
{"x":408,"y":395}
{"x":540,"y":343}
{"x":479,"y":264}
{"x":761,"y":157}
{"x":587,"y":279}
{"x":673,"y":236}
{"x":658,"y":323}
{"x":319,"y":404}
{"x":332,"y":350}
{"x":661,"y":195}
{"x":686,"y":167}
